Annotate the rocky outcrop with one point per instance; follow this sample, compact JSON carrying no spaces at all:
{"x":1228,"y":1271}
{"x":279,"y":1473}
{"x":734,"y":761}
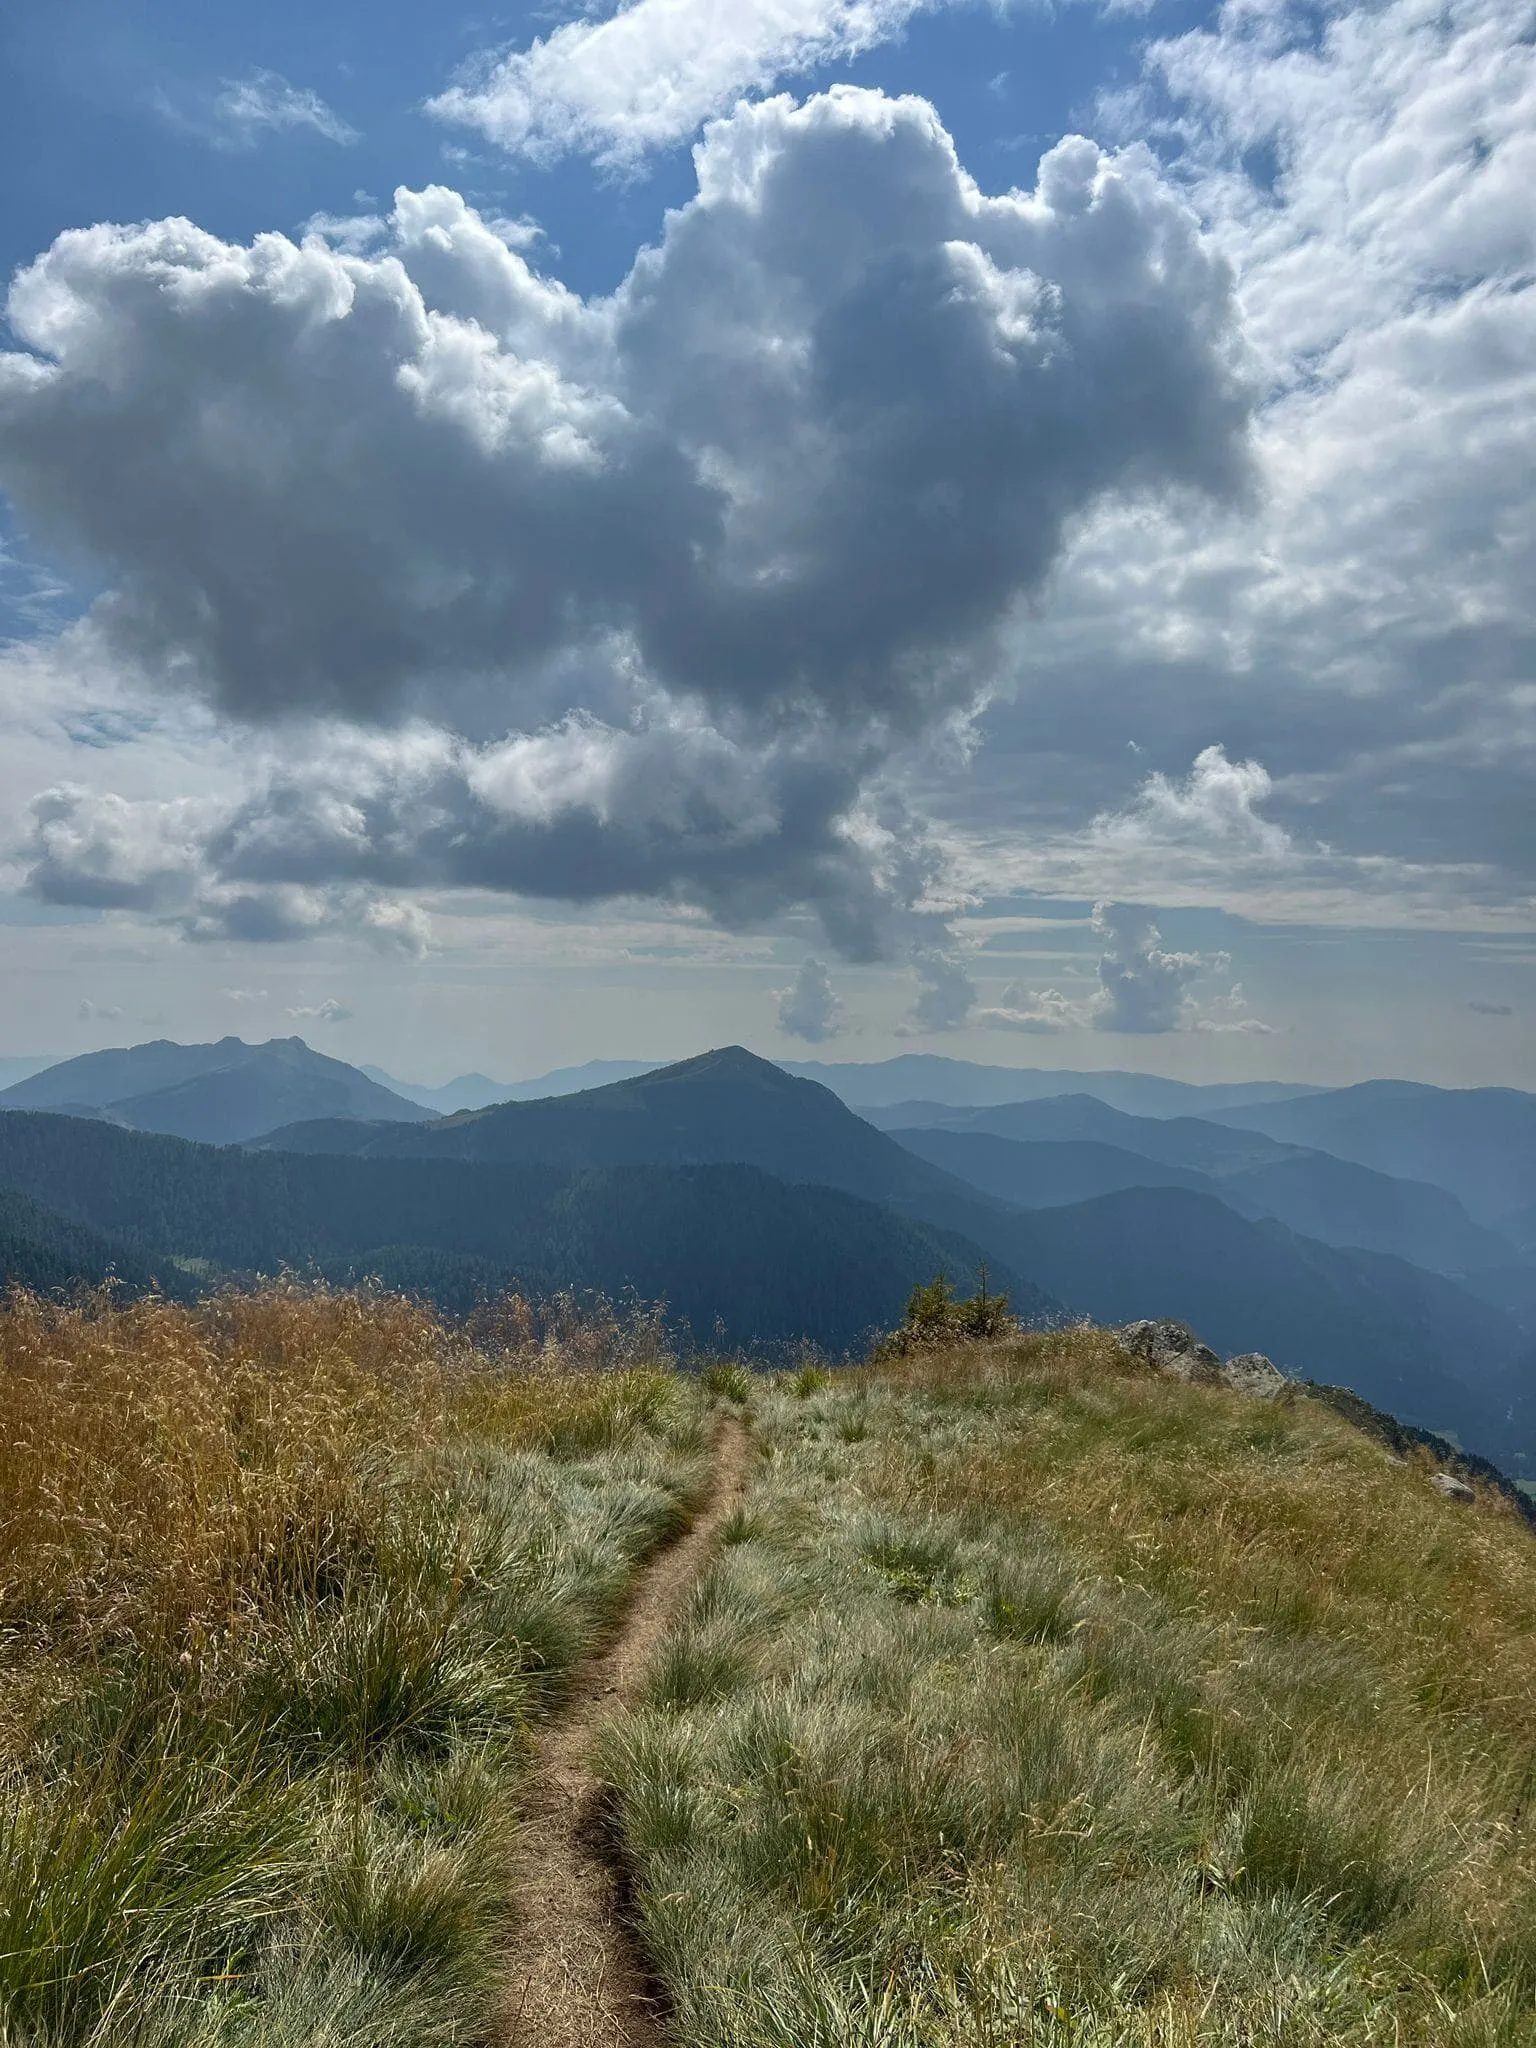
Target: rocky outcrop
{"x":1254,"y":1374}
{"x":1452,"y":1488}
{"x":1174,"y":1350}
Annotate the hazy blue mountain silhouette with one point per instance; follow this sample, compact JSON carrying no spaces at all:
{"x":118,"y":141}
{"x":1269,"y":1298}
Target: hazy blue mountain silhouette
{"x":1478,"y":1142}
{"x":219,"y":1094}
{"x":1334,"y":1200}
{"x":915,"y":1076}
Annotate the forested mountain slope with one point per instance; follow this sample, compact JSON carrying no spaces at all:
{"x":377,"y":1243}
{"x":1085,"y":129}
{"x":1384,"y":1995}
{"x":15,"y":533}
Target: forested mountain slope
{"x":719,"y":1244}
{"x":726,"y":1107}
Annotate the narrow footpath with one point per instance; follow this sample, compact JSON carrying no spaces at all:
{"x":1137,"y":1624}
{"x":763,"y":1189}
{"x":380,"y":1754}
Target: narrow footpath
{"x":578,"y":1980}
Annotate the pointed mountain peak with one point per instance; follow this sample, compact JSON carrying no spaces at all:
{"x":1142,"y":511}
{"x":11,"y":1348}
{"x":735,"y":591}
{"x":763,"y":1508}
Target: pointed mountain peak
{"x":727,"y":1063}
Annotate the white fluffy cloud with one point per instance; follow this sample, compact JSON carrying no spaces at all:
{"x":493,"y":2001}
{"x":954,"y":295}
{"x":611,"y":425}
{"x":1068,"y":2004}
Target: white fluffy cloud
{"x":809,"y":1008}
{"x":1214,"y":809}
{"x":946,"y":994}
{"x":1041,"y":1012}
{"x":1366,"y":627}
{"x":647,"y":595}
{"x":1142,"y":989}
{"x":651,"y":73}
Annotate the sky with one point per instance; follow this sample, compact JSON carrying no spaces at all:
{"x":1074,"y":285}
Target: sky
{"x":845,"y":526}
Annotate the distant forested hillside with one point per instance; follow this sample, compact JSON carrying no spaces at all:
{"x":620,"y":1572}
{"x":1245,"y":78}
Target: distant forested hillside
{"x":721,"y":1245}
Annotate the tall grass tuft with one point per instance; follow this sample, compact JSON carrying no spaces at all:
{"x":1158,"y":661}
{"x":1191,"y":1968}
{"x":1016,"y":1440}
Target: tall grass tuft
{"x":282,"y":1578}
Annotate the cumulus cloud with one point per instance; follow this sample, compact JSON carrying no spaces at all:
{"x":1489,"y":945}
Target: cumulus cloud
{"x":946,"y":994}
{"x":159,"y":858}
{"x":1214,"y":809}
{"x":654,"y":594}
{"x":104,"y":1013}
{"x":1367,"y":629}
{"x":809,"y":1008}
{"x":328,"y":1012}
{"x":1142,"y":988}
{"x":1229,"y":1013}
{"x":654,"y":71}
{"x":266,"y":101}
{"x":1040,"y":1012}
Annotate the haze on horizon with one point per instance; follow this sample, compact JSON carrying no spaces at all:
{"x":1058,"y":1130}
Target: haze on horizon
{"x":913,"y":527}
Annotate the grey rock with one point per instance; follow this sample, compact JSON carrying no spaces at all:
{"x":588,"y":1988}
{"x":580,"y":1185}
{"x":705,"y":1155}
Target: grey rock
{"x":1253,"y":1374}
{"x":1174,"y":1349}
{"x":1452,"y":1488}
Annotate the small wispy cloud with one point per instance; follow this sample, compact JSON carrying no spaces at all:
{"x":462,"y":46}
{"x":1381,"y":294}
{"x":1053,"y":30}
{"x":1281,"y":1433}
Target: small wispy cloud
{"x":265,"y":101}
{"x":328,"y":1012}
{"x":1492,"y":1009}
{"x":648,"y":75}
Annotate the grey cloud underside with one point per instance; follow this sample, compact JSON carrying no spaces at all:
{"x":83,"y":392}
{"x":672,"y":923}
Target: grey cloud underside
{"x":716,"y":550}
{"x":825,"y":436}
{"x":580,"y":814}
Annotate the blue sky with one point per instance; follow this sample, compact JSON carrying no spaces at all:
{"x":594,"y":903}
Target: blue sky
{"x":626,"y":599}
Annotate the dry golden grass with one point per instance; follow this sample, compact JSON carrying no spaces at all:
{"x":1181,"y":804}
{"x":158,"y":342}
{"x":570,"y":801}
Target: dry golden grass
{"x":282,"y":1576}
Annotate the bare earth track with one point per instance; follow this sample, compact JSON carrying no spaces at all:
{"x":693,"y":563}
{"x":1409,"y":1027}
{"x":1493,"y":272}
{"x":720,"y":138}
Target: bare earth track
{"x":579,"y":1982}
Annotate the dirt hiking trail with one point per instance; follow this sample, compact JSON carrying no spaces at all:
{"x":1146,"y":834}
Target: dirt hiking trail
{"x":577,"y":1979}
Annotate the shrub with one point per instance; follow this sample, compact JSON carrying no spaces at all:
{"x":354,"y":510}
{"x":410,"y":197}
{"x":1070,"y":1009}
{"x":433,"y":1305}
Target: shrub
{"x":936,"y":1316}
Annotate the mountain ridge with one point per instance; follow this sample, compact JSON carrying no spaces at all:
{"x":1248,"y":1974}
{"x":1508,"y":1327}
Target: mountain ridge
{"x":218,"y":1093}
{"x":1338,"y":1201}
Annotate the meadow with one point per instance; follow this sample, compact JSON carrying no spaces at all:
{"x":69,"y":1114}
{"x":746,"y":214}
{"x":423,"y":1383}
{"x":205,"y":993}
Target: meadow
{"x":284,"y":1580}
{"x":1035,"y":1699}
{"x":1029,"y":1699}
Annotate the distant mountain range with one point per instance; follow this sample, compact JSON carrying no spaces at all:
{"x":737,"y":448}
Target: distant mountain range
{"x":964,"y":1084}
{"x":725,"y":1107}
{"x":221,"y":1094}
{"x":758,"y":1199}
{"x":875,"y":1083}
{"x":1044,"y":1154}
{"x":1405,"y":1336}
{"x":479,"y":1091}
{"x":1478,"y":1142}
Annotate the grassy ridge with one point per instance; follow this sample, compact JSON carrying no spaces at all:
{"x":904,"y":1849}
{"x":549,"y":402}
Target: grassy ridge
{"x":1038,"y":1700}
{"x":282,"y":1578}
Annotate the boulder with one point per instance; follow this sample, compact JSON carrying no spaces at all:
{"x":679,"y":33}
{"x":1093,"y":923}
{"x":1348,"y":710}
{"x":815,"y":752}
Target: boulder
{"x":1449,"y":1487}
{"x":1174,"y":1349}
{"x":1253,"y":1374}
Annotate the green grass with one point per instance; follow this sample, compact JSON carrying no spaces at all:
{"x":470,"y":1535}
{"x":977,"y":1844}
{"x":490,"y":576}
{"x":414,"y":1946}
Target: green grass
{"x":282,"y":1581}
{"x":1032,"y":1699}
